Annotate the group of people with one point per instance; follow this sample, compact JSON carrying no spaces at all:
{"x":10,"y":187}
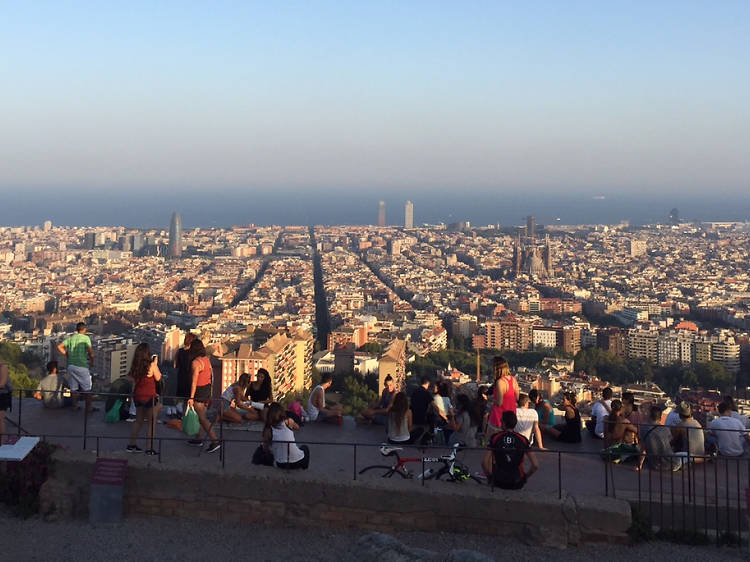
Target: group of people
{"x":503,"y":417}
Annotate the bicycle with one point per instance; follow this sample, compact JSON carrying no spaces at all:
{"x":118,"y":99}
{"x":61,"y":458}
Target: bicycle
{"x":452,"y":468}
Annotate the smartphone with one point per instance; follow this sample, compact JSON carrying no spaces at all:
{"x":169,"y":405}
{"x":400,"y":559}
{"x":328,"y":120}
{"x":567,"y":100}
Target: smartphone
{"x":154,"y":358}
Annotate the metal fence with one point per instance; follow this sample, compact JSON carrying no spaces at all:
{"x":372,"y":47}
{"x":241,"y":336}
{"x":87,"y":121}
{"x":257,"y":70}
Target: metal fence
{"x":705,"y":501}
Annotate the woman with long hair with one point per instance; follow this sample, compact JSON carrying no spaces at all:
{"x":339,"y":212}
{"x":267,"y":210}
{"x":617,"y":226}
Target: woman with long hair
{"x":279,"y":437}
{"x":259,"y":394}
{"x":504,"y":395}
{"x":144,"y":370}
{"x":570,"y":431}
{"x":400,"y":422}
{"x":200,"y":392}
{"x":464,"y":422}
{"x":234,"y":406}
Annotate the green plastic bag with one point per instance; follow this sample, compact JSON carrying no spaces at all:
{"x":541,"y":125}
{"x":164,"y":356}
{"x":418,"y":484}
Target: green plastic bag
{"x":190,"y":423}
{"x":113,"y":414}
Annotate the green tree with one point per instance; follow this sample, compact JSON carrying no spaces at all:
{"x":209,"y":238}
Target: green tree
{"x":357,"y":395}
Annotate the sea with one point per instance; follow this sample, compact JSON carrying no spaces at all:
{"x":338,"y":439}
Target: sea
{"x":207,"y":208}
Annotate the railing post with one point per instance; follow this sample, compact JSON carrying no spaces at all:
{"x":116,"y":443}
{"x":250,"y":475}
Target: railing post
{"x":606,"y":479}
{"x":354,"y":462}
{"x":85,"y":424}
{"x":20,"y":409}
{"x":559,"y":475}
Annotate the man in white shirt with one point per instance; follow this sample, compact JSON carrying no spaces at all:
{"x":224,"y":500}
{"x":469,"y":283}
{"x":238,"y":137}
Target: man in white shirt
{"x":528,"y":421}
{"x":600,"y":411}
{"x":728,"y":433}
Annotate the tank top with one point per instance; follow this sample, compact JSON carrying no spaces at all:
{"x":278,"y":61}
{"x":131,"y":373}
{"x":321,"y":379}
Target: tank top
{"x":312,"y":411}
{"x":228,"y":394}
{"x":398,"y":432}
{"x":508,"y":404}
{"x":204,"y":376}
{"x":572,"y":430}
{"x":144,"y":390}
{"x":540,"y":411}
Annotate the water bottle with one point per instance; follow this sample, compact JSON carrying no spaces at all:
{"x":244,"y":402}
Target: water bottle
{"x":426,"y":474}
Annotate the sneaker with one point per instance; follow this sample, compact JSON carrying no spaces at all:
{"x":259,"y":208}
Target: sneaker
{"x":213,"y":447}
{"x":195,"y":442}
{"x":151,"y":452}
{"x":133,"y":449}
{"x":130,"y":419}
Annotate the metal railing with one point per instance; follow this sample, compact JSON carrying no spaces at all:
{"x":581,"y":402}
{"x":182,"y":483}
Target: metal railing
{"x":706,"y":500}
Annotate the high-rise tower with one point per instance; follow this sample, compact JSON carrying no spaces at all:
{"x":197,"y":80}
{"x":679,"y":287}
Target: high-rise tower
{"x":531,"y":228}
{"x":381,"y":213}
{"x":409,"y":215}
{"x":175,"y":236}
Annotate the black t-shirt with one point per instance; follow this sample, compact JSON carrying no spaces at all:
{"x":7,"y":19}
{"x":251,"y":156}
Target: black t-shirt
{"x":184,"y":372}
{"x":509,"y":449}
{"x":258,"y":395}
{"x":420,"y":401}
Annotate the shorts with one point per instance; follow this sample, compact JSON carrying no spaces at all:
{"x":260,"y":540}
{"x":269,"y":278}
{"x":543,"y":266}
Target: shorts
{"x":79,"y":378}
{"x":146,"y":403}
{"x":6,"y":401}
{"x":203,"y":393}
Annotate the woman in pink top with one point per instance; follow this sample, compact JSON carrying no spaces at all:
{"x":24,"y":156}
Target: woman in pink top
{"x":504,"y":396}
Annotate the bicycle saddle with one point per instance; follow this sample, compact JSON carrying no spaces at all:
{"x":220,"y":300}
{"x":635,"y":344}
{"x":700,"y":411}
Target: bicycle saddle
{"x":387,"y":450}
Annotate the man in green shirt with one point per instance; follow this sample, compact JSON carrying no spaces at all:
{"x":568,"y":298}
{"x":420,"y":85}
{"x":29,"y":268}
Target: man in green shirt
{"x":77,"y":348}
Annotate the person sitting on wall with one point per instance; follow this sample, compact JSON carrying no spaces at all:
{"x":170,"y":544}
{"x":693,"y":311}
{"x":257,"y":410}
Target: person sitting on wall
{"x":316,"y":405}
{"x":51,"y":389}
{"x":504,"y":462}
{"x":378,"y":413}
{"x":279,"y":438}
{"x":234,"y":406}
{"x":258,"y":395}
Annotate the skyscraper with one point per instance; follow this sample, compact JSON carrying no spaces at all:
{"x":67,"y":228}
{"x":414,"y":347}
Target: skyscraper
{"x":409,"y":215}
{"x":531,"y":227}
{"x":381,"y":213}
{"x":175,"y":236}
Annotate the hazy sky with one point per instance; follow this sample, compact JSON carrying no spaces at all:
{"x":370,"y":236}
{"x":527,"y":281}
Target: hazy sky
{"x":403,"y":96}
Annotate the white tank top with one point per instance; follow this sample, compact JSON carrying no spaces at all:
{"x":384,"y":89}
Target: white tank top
{"x":228,"y":394}
{"x":312,"y":411}
{"x":400,"y":433}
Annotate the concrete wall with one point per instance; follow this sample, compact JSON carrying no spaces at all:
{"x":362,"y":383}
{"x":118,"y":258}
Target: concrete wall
{"x":265,"y":494}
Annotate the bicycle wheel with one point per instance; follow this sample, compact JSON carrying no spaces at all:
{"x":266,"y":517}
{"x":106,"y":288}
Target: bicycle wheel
{"x":389,"y":471}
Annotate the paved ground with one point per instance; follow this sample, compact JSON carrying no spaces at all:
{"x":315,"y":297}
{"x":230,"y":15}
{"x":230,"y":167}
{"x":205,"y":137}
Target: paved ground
{"x":575,"y":468}
{"x":179,"y":540}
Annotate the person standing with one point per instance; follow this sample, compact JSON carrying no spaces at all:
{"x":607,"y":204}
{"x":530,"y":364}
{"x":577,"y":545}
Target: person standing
{"x":77,"y":348}
{"x":145,"y":373}
{"x":182,"y":362}
{"x":200,"y":392}
{"x":504,"y":396}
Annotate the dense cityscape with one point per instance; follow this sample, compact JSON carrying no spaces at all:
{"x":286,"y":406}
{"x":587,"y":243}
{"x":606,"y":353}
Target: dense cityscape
{"x":657,"y":308}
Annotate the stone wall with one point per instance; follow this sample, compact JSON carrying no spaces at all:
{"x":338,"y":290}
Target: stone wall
{"x":269,"y":495}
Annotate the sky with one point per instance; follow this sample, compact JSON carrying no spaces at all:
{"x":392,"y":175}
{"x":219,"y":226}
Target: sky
{"x":402,"y":100}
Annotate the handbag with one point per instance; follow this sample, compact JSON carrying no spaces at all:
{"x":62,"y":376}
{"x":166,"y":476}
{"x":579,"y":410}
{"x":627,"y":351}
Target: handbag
{"x":190,"y":423}
{"x":263,"y":456}
{"x":113,"y":414}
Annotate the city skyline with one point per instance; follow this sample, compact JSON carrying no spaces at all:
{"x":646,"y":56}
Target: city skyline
{"x":377,"y":98}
